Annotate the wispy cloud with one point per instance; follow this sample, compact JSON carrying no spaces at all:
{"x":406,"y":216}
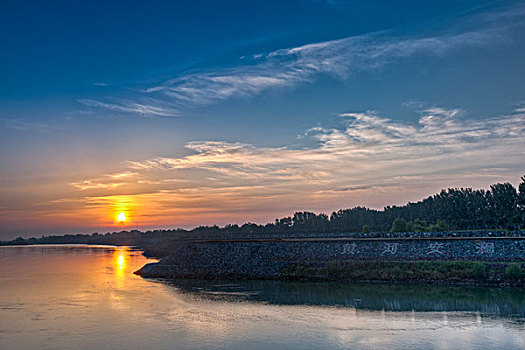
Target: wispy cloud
{"x":96,"y":184}
{"x":148,"y":110}
{"x":520,"y":107}
{"x":122,"y":175}
{"x":293,"y":66}
{"x":30,"y":125}
{"x":108,"y":182}
{"x":290,"y":67}
{"x":369,"y":159}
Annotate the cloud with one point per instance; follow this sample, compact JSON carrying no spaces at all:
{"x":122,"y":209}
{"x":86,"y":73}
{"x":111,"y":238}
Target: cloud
{"x":370,"y":159}
{"x":520,"y":107}
{"x":122,"y":175}
{"x":286,"y":68}
{"x":29,"y":125}
{"x":96,"y":184}
{"x":108,"y":182}
{"x":293,"y":66}
{"x":132,"y":107}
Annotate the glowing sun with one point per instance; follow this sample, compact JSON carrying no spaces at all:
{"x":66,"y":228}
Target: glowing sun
{"x":121,"y":217}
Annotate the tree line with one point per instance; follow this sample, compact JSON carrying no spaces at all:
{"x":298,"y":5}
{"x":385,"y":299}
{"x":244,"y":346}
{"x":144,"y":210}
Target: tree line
{"x":501,"y":207}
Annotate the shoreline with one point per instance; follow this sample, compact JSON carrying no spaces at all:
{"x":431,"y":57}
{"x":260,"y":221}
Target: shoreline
{"x":452,"y":273}
{"x":486,"y":261}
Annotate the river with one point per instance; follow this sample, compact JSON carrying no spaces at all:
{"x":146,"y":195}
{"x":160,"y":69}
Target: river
{"x":86,"y":297}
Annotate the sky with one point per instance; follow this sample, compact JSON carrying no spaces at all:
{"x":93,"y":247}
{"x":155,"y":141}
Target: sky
{"x":182,"y":114}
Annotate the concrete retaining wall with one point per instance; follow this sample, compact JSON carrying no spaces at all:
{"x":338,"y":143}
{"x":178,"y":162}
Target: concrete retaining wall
{"x":267,"y":259}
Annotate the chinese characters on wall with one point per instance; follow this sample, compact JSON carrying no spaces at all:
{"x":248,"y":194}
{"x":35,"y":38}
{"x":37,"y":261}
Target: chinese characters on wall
{"x":434,"y":249}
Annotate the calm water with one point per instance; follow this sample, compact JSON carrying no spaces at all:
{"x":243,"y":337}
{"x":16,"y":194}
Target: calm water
{"x":78,"y":297}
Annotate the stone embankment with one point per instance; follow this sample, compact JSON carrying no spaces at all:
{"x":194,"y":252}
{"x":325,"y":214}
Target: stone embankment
{"x":268,"y":259}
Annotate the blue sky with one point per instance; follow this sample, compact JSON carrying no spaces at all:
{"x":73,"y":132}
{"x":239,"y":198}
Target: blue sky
{"x":189,"y":113}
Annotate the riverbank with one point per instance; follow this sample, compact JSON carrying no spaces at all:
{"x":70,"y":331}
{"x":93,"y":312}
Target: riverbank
{"x":487,"y":261}
{"x":474,"y":273}
{"x":411,"y":272}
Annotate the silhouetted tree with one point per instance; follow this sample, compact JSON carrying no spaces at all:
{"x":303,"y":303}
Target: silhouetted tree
{"x":399,"y":225}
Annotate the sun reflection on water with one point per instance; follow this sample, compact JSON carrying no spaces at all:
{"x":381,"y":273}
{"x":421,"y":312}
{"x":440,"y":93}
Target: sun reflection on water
{"x":120,"y":264}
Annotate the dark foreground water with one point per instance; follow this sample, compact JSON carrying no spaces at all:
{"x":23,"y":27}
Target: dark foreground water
{"x":79,"y":297}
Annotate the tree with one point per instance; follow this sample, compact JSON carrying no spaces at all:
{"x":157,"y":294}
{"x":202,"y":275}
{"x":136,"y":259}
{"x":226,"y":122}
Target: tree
{"x":399,"y":225}
{"x":521,"y":203}
{"x":419,"y":226}
{"x":366,"y":229}
{"x":503,"y":202}
{"x":441,"y":226}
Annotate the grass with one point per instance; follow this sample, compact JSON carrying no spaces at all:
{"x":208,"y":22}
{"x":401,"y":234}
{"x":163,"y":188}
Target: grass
{"x":455,"y":272}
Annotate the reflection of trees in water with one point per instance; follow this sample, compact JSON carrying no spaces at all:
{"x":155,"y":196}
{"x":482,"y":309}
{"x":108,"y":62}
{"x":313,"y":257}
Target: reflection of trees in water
{"x":498,"y":301}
